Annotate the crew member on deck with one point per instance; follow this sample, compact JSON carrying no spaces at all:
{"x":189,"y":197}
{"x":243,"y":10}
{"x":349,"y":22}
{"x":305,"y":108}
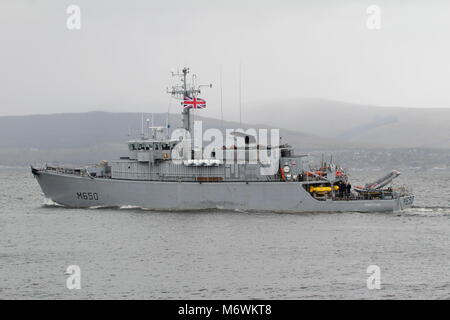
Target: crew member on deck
{"x":349,"y":189}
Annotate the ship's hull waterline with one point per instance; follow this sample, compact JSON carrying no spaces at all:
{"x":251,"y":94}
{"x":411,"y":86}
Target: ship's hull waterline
{"x":85,"y":192}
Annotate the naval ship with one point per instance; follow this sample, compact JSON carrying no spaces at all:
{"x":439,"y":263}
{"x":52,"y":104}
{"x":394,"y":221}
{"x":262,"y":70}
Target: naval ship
{"x":163,"y":172}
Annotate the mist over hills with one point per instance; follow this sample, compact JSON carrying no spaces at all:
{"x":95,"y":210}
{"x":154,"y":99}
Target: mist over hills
{"x":370,"y":126}
{"x":81,"y":130}
{"x":359,"y":136}
{"x":88,"y":137}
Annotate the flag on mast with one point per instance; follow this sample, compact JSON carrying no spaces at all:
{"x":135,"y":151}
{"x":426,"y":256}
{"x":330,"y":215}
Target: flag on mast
{"x":194,"y":103}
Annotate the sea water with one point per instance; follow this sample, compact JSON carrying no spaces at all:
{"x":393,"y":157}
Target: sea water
{"x":133,"y":253}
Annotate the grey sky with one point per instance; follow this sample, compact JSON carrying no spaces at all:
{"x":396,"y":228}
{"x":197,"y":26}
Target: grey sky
{"x":123,"y":54}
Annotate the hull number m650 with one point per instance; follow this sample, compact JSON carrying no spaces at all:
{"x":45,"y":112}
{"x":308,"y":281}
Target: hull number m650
{"x":87,"y":195}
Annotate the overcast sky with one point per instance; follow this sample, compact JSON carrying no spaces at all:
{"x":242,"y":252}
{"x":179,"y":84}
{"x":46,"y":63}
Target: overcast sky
{"x":120,"y":59}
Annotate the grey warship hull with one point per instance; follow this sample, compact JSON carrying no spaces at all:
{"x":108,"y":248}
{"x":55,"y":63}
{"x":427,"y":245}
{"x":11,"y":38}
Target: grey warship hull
{"x":192,"y":170}
{"x":84,"y":192}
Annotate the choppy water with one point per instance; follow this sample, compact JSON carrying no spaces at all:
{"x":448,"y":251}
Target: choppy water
{"x":133,"y":253}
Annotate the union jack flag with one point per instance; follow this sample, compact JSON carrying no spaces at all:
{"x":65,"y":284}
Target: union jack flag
{"x":194,"y":103}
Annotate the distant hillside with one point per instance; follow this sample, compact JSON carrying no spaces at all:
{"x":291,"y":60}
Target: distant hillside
{"x":80,"y":130}
{"x":392,"y":127}
{"x":359,"y":136}
{"x":88,"y":137}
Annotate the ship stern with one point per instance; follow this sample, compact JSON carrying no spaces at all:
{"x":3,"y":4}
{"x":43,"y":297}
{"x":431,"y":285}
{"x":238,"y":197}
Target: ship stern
{"x":404,"y":202}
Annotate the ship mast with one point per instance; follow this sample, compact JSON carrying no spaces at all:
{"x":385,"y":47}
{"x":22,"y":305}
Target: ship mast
{"x":185,"y":91}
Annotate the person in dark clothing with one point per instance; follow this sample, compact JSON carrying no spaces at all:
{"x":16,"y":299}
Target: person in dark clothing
{"x":349,"y":189}
{"x":342,"y":189}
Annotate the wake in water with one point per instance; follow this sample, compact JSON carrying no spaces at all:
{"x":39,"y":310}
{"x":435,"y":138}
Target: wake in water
{"x":48,"y":203}
{"x":428,"y":211}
